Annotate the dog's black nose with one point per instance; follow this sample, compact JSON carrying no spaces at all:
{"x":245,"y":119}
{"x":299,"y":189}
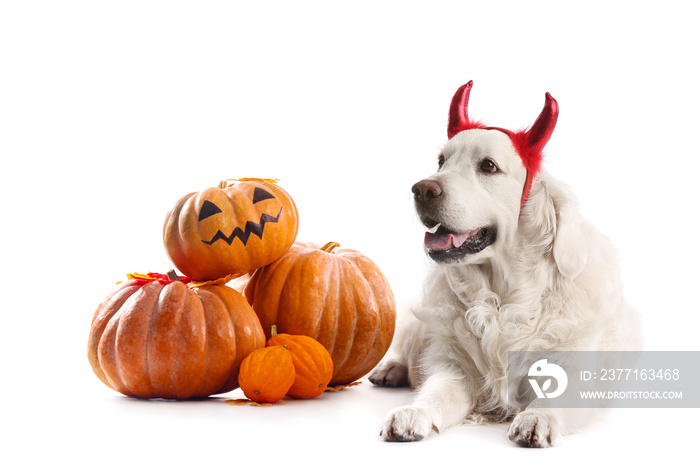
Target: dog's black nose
{"x":426,"y":190}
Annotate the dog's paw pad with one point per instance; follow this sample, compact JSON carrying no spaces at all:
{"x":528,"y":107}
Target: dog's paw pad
{"x":532,"y":430}
{"x":390,"y":374}
{"x":408,"y":424}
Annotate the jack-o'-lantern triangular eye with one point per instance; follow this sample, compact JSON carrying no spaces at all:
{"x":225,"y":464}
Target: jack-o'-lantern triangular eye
{"x":260,"y":195}
{"x":208,"y":209}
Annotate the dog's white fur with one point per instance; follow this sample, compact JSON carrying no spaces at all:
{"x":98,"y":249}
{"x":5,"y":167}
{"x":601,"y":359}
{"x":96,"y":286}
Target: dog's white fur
{"x":549,"y":282}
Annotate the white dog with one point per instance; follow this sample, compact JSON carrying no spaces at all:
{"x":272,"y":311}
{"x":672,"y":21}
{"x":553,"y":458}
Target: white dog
{"x":516,"y":268}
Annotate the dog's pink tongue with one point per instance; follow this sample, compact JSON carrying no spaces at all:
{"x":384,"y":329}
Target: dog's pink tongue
{"x":445,"y":240}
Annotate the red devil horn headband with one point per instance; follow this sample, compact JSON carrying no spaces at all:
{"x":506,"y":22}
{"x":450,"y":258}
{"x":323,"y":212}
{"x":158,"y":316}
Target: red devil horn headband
{"x":528,"y":144}
{"x":459,"y":118}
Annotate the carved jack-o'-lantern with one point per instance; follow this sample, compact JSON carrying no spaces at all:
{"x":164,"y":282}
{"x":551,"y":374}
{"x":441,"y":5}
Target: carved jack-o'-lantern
{"x":229,"y":231}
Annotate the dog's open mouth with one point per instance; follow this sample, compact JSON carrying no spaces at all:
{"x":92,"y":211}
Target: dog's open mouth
{"x":444,"y":245}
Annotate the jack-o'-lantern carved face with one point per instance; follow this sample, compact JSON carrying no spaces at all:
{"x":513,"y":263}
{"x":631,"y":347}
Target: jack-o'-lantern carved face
{"x":212,"y":216}
{"x":230,"y":230}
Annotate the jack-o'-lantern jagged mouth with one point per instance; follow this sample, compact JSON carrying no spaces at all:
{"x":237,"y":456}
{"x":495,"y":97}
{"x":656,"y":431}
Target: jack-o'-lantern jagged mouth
{"x":251,"y":228}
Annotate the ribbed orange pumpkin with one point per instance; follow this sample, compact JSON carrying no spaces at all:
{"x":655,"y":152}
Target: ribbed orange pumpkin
{"x":160,"y":339}
{"x":267,"y":374}
{"x":336,"y":296}
{"x":230,"y":230}
{"x":312,"y":364}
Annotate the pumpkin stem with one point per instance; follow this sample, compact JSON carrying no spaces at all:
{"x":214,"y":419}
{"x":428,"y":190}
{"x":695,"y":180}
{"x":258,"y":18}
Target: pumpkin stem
{"x":330,"y":246}
{"x":273,"y":332}
{"x":223,"y":184}
{"x":269,"y":180}
{"x":173,"y":276}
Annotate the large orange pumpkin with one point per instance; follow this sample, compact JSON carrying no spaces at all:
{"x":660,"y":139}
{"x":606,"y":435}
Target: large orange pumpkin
{"x":157,"y":338}
{"x":230,"y":230}
{"x":336,"y":296}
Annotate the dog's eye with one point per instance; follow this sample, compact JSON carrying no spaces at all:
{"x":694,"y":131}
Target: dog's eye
{"x":441,"y":161}
{"x":487,"y":166}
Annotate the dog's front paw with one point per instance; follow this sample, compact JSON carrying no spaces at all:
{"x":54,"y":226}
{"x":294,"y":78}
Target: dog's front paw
{"x":390,"y":374}
{"x":532,"y":429}
{"x":407,"y":424}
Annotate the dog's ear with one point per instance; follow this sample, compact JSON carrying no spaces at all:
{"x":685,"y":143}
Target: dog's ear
{"x":570,"y":247}
{"x":554,"y":221}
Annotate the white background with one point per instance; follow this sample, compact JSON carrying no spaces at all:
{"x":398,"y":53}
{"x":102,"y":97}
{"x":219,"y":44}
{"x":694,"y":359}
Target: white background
{"x":110,"y":111}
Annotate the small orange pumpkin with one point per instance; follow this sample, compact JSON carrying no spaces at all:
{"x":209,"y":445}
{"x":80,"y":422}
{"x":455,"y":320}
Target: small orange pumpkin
{"x":267,"y":374}
{"x":230,"y":230}
{"x":336,"y":296}
{"x":312,"y":364}
{"x":153,"y":337}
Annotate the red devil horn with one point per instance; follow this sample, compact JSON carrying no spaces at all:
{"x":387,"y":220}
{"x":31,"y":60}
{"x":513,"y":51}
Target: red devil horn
{"x":540,"y":132}
{"x":459,"y":119}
